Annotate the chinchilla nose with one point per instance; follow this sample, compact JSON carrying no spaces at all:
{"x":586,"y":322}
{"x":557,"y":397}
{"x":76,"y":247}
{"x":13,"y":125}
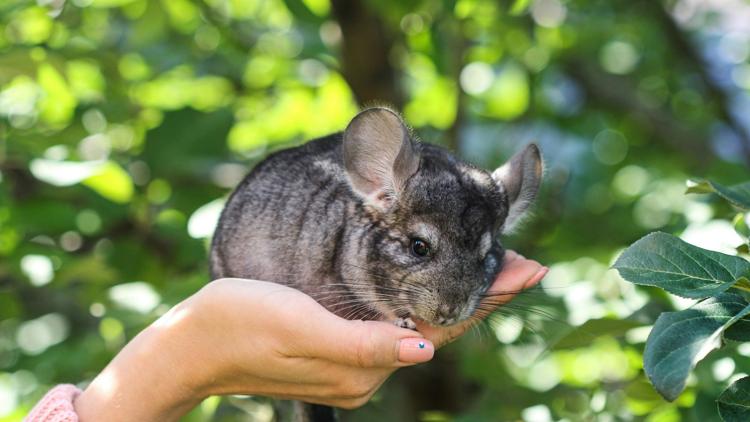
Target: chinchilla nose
{"x":446,"y":314}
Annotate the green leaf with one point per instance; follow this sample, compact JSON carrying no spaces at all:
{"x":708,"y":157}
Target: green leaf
{"x":111,"y":182}
{"x":734,"y":402}
{"x":741,"y":225}
{"x":58,"y":103}
{"x":583,"y":335}
{"x":699,"y":186}
{"x":681,"y":339}
{"x":739,"y":331}
{"x":665,"y":261}
{"x":738,"y":195}
{"x":519,"y":7}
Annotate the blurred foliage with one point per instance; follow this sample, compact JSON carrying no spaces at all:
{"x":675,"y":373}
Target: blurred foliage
{"x":124,"y":123}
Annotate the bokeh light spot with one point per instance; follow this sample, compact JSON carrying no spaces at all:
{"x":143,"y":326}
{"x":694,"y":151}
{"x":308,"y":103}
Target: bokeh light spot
{"x":88,"y":221}
{"x":630,"y":181}
{"x":38,"y":268}
{"x":610,"y":147}
{"x":37,"y":335}
{"x":202,"y":222}
{"x":548,"y":13}
{"x":476,"y":78}
{"x":619,"y":57}
{"x":137,"y":296}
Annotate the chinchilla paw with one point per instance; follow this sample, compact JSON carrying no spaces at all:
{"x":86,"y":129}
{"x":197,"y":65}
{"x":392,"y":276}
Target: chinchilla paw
{"x":405,"y":323}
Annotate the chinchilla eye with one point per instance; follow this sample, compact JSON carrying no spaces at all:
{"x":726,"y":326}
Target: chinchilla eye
{"x":420,"y":248}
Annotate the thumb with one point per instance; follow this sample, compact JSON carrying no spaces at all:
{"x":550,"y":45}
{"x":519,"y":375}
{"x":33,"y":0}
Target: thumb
{"x":374,"y":344}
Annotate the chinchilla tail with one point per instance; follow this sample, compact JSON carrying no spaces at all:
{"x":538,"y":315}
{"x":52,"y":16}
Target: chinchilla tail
{"x":306,"y":412}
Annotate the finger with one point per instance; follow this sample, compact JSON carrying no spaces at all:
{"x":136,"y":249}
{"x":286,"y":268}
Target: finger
{"x":331,"y":382}
{"x":510,"y":256}
{"x":372,"y":344}
{"x":441,"y":336}
{"x":513,"y":278}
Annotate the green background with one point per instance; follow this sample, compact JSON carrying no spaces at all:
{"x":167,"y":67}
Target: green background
{"x":125,"y":123}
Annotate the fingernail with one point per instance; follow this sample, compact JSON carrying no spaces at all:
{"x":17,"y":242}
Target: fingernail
{"x":537,"y":277}
{"x":415,"y":350}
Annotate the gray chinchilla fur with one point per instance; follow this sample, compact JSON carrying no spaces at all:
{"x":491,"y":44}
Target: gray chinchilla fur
{"x":375,"y":225}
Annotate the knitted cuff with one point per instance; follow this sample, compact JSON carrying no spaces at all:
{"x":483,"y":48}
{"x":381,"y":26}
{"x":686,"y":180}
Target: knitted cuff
{"x":56,"y":406}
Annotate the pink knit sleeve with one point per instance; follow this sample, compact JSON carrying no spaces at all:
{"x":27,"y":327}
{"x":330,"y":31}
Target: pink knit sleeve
{"x":56,"y":406}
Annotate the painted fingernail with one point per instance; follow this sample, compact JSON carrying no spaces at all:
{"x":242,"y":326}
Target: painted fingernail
{"x":536,"y":278}
{"x":415,"y":350}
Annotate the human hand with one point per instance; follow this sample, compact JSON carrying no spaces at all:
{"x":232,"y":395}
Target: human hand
{"x":248,"y":337}
{"x":252,"y":337}
{"x":279,"y":342}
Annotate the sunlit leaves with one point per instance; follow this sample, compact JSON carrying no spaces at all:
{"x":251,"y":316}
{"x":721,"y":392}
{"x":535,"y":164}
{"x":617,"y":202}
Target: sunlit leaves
{"x":665,"y":261}
{"x":111,"y":182}
{"x":133,"y":67}
{"x":58,"y":102}
{"x":433,"y":96}
{"x":32,"y":25}
{"x":319,"y":7}
{"x":18,"y":100}
{"x":508,"y":97}
{"x":264,"y":122}
{"x":262,"y":70}
{"x":86,"y":80}
{"x":179,"y":88}
{"x":110,"y":3}
{"x":183,"y":14}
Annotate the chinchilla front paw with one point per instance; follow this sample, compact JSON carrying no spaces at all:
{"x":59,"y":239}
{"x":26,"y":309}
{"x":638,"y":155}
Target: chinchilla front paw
{"x":405,"y":323}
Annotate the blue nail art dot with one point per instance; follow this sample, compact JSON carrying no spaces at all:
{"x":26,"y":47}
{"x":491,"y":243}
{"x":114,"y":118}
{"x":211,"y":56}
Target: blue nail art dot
{"x":421,"y":345}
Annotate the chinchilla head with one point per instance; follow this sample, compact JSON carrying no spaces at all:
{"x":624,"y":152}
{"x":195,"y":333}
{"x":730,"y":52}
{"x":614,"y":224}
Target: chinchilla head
{"x":430,"y":248}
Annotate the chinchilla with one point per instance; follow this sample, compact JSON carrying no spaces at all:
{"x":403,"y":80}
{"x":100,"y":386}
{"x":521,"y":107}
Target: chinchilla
{"x":374,"y":224}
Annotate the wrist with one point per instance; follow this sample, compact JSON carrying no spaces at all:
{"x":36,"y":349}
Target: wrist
{"x":154,"y":378}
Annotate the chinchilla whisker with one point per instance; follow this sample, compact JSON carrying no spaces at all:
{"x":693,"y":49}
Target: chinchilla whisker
{"x":366,"y":296}
{"x":476,"y":327}
{"x":348,"y":311}
{"x":503,"y":293}
{"x":495,"y":316}
{"x":358,"y":304}
{"x":369,"y":313}
{"x":364,"y":284}
{"x":396,"y":295}
{"x":350,"y":303}
{"x":529,"y":291}
{"x":364,"y":287}
{"x":351,"y":294}
{"x":359,"y":267}
{"x":531,"y":309}
{"x":546,"y":316}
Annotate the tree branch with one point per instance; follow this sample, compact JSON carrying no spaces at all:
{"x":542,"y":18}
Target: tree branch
{"x":617,"y":93}
{"x":693,"y":58}
{"x":365,"y":54}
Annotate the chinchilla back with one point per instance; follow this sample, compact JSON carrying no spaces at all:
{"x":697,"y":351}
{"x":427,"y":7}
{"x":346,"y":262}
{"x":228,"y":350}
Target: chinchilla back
{"x":289,"y":220}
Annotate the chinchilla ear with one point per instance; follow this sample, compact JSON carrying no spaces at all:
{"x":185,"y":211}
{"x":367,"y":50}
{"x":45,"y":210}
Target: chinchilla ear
{"x":379,"y":156}
{"x":520,"y":178}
